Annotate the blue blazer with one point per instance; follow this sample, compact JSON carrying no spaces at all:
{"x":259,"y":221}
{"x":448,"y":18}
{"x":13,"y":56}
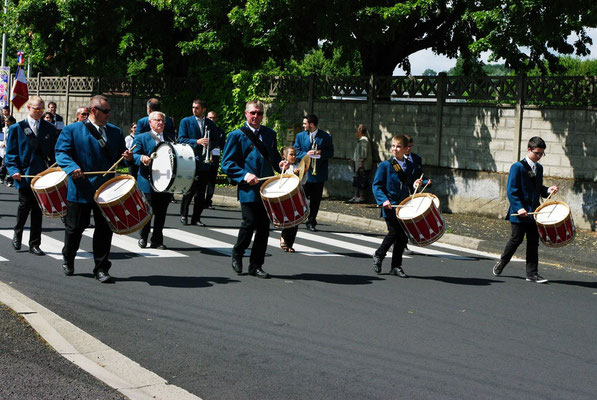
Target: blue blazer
{"x":143,"y":126}
{"x":23,"y":150}
{"x":240,"y":156}
{"x":77,"y":148}
{"x":145,"y":146}
{"x":302,"y":144}
{"x":388,"y":186}
{"x":189,"y":132}
{"x":522,"y":192}
{"x":418,"y":164}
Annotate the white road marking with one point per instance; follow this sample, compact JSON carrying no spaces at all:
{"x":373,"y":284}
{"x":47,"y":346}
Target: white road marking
{"x":51,"y":246}
{"x":130,"y":244}
{"x":201,"y":241}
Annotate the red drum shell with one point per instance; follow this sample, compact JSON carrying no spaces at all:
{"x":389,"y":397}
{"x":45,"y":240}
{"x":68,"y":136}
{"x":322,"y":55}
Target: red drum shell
{"x":51,"y":199}
{"x":286,"y":210}
{"x":556,"y":234}
{"x":426,"y":227}
{"x":129,"y":212}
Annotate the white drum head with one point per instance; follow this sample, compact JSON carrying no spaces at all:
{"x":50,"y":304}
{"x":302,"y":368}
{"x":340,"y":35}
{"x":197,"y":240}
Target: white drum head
{"x":415,"y":207}
{"x":552,"y":214}
{"x":162,"y":166}
{"x":279,"y":187}
{"x":49,"y":180}
{"x":115,"y":190}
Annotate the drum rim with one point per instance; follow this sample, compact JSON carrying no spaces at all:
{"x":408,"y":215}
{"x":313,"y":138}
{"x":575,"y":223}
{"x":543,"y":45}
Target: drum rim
{"x":174,"y":166}
{"x":45,"y":172}
{"x":284,"y":196}
{"x":549,"y":203}
{"x":109,"y":181}
{"x":416,"y":195}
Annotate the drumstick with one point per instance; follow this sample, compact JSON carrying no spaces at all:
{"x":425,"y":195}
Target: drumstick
{"x":99,"y":172}
{"x":531,"y":213}
{"x":425,"y":187}
{"x":416,"y":187}
{"x":282,"y":173}
{"x":117,"y":162}
{"x":266,"y":178}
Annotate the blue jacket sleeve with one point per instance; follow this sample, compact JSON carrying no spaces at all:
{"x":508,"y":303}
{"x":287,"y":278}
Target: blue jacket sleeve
{"x":232,"y":153}
{"x":64,"y":149}
{"x":378,"y":187}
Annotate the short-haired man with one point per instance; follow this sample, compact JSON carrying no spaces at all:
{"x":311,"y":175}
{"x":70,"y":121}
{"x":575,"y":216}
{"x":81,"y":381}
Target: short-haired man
{"x":145,"y":144}
{"x":89,"y":145}
{"x":29,"y":151}
{"x":319,"y":146}
{"x":525,"y":185}
{"x":154,"y":104}
{"x":215,"y":165}
{"x":82,"y":114}
{"x":205,"y":137}
{"x":52,"y":109}
{"x":394,"y":180}
{"x":251,"y":152}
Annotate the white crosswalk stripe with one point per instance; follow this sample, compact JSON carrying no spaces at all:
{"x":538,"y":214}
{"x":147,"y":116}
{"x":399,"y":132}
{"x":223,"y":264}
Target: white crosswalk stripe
{"x":51,"y":246}
{"x":201,"y":241}
{"x":130,"y":244}
{"x":351,"y":247}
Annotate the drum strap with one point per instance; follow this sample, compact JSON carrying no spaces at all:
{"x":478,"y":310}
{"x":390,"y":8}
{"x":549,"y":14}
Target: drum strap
{"x":532,"y":175}
{"x":400,"y":172}
{"x":258,"y":144}
{"x":98,"y":136}
{"x":34,"y":141}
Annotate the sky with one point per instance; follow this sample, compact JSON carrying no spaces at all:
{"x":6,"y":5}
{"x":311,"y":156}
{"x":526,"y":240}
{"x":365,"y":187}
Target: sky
{"x":425,"y":59}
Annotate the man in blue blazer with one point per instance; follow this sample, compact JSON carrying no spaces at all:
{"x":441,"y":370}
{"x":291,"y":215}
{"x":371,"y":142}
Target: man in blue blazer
{"x":90,"y":145}
{"x":204,"y":136}
{"x":145,"y":145}
{"x":394,"y":181}
{"x":154,"y":104}
{"x":250,"y":153}
{"x":525,"y":185}
{"x":317,"y":144}
{"x":29,"y":151}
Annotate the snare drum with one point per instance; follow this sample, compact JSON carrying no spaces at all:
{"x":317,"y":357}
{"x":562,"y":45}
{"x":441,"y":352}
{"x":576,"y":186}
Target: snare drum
{"x":123,"y":205}
{"x":284,"y":201}
{"x":555,"y":224}
{"x":173,"y":168}
{"x":421,"y":218}
{"x":49,"y":188}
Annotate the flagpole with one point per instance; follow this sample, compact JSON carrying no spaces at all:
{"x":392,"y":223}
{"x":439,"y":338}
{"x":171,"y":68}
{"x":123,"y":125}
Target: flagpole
{"x":4,"y":38}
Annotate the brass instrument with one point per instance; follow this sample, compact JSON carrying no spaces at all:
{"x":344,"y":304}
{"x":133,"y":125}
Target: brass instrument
{"x":314,"y":172}
{"x":207,"y":157}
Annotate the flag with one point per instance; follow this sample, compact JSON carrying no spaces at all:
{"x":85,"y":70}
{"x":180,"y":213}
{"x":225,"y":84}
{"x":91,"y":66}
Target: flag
{"x":20,"y":93}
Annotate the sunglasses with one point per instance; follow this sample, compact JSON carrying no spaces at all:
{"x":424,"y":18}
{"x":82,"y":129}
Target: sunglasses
{"x":37,"y":108}
{"x":85,"y":114}
{"x":102,"y":110}
{"x":260,"y":113}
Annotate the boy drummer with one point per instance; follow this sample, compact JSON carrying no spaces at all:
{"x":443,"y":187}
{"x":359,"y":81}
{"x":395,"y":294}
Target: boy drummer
{"x":525,"y":185}
{"x":393,"y":182}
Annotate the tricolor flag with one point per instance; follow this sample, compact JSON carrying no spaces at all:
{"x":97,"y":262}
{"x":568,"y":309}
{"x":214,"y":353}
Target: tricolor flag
{"x":20,"y":93}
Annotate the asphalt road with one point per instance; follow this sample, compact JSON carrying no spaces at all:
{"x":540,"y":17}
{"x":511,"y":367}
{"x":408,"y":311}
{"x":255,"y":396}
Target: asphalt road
{"x":325,"y":326}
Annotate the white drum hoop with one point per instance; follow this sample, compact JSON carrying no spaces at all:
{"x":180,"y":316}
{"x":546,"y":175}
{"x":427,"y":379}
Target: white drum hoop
{"x":181,"y":155}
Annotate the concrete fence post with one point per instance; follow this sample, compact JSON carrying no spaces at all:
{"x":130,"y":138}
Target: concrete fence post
{"x":442,"y":90}
{"x":521,"y":88}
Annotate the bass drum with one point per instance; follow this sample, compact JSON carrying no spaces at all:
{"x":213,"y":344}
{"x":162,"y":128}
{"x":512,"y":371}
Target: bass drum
{"x":173,"y":168}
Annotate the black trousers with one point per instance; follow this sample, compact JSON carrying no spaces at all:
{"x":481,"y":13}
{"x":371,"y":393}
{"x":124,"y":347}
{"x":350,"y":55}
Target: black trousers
{"x":516,"y":238}
{"x":159,"y":204}
{"x":28,"y":204}
{"x":395,"y":236}
{"x":255,"y":220}
{"x":197,"y":194}
{"x":313,"y":191}
{"x":289,"y":235}
{"x":77,"y":219}
{"x":211,"y":182}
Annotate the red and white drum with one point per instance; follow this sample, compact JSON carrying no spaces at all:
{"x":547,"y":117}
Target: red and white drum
{"x":49,"y":188}
{"x":421,"y":218}
{"x":285,"y":201}
{"x":123,"y":205}
{"x":555,"y":224}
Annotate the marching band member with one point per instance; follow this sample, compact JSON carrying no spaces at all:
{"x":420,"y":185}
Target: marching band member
{"x":288,"y":235}
{"x":29,"y":151}
{"x":525,"y":185}
{"x":393,"y":182}
{"x":251,"y":152}
{"x":145,"y":144}
{"x":89,"y":145}
{"x":318,"y":144}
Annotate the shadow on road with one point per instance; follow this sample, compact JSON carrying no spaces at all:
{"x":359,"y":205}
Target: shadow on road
{"x":332,"y":278}
{"x":173,"y":281}
{"x":459,"y":281}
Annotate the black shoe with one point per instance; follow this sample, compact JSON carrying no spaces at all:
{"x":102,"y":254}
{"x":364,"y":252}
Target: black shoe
{"x":498,"y":268}
{"x":142,"y":243}
{"x":211,"y":207}
{"x":183,"y":220}
{"x":377,"y":260}
{"x":16,"y":242}
{"x":158,"y":246}
{"x":537,"y":279}
{"x":68,"y":268}
{"x":397,"y":271}
{"x":408,"y":252}
{"x":237,"y":265}
{"x":36,"y":250}
{"x":311,"y":228}
{"x":198,"y":223}
{"x":104,"y":277}
{"x":257,"y":271}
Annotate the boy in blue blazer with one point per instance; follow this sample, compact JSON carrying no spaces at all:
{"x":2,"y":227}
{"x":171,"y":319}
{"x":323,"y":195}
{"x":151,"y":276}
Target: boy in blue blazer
{"x":525,"y":185}
{"x":394,"y":181}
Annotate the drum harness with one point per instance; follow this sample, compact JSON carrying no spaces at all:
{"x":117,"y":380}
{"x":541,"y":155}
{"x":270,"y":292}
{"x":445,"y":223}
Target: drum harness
{"x":258,"y":144}
{"x":102,"y":143}
{"x":401,"y":174}
{"x":34,"y":141}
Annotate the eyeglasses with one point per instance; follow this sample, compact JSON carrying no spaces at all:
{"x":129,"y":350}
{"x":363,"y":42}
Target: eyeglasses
{"x":260,"y":113}
{"x":85,"y":114}
{"x":158,"y":120}
{"x":102,"y":110}
{"x":539,"y":153}
{"x":37,"y":108}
